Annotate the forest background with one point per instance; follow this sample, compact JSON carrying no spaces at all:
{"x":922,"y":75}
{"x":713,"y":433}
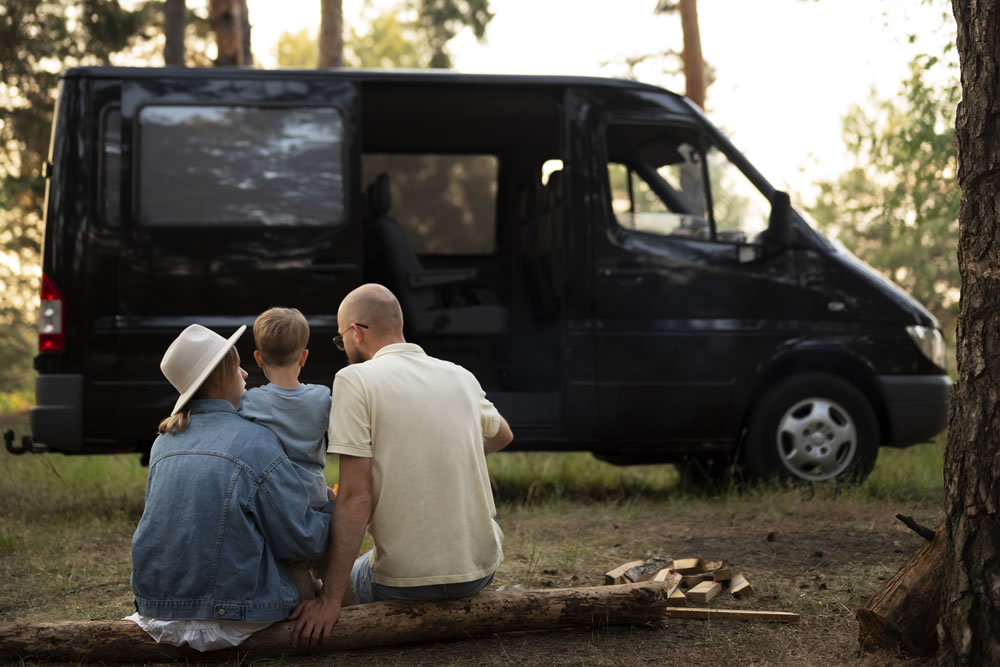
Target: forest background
{"x":894,"y":203}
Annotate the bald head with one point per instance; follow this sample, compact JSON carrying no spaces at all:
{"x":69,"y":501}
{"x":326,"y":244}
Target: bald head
{"x":375,"y":306}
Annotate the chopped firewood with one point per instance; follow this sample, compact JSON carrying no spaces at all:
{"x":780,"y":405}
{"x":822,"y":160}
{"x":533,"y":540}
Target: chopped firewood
{"x":692,"y":580}
{"x":617,"y":575}
{"x":732,"y":614}
{"x":704,"y":591}
{"x":668,"y":576}
{"x":648,"y":568}
{"x":709,"y":565}
{"x":686,"y":565}
{"x":740,"y":587}
{"x":677,"y":599}
{"x":723,"y":574}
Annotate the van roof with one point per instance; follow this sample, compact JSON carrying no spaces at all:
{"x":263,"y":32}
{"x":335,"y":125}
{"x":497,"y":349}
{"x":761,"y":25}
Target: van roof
{"x":372,"y":75}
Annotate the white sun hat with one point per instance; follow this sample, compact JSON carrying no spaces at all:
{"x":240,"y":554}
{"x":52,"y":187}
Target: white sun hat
{"x":192,"y":357}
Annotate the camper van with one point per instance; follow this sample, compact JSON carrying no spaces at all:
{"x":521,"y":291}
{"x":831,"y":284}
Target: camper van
{"x":619,"y":277}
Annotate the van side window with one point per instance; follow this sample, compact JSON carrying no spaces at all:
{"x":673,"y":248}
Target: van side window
{"x":741,"y":211}
{"x":111,"y":166}
{"x":226,"y":165}
{"x":656,"y":180}
{"x":445,"y":204}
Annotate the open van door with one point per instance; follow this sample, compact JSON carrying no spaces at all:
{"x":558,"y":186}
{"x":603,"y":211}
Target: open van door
{"x":238,"y":194}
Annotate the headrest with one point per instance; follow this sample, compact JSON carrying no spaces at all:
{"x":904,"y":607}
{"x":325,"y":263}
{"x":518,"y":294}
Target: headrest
{"x":379,"y":197}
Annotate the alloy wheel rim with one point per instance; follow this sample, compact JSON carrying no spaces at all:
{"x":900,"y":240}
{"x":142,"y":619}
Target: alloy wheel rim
{"x":816,"y":439}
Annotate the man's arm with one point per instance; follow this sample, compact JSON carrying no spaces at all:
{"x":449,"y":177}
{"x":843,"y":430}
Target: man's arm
{"x":503,"y":437}
{"x":314,"y":619}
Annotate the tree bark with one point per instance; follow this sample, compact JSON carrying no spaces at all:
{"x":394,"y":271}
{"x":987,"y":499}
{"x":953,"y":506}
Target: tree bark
{"x":970,"y":605}
{"x":227,"y":22}
{"x":904,"y":614}
{"x":174,"y":24}
{"x":362,"y":626}
{"x":246,"y":41}
{"x":331,"y":34}
{"x":694,"y":63}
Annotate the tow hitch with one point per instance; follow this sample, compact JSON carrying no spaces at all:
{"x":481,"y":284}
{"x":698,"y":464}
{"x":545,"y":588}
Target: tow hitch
{"x":27,"y":445}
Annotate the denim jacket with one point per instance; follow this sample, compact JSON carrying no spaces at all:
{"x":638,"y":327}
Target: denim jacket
{"x":225,"y":510}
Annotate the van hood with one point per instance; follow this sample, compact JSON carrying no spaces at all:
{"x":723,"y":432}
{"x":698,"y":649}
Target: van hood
{"x":854,"y":266}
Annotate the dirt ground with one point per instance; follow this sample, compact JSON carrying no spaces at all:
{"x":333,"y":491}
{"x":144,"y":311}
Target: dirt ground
{"x":819,"y":558}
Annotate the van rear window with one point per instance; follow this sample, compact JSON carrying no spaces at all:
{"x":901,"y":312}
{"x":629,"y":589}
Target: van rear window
{"x":445,"y":204}
{"x":234,"y":165}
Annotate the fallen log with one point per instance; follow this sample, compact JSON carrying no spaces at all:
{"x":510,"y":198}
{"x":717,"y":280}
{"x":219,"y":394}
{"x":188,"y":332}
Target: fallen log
{"x":903,"y":615}
{"x":362,"y":626}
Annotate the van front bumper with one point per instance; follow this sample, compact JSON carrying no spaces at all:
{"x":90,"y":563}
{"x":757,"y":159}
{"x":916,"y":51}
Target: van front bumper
{"x":917,"y":407}
{"x":57,"y":418}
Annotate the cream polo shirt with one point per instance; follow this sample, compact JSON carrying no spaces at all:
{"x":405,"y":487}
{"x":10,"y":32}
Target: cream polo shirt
{"x":421,"y":420}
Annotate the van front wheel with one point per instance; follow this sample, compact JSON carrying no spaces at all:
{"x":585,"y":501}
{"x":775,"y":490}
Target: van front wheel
{"x":812,"y":428}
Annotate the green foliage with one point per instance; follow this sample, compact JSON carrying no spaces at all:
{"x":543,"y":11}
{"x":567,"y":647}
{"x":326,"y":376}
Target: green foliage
{"x":897,"y":205}
{"x":298,"y":49}
{"x":413,"y":34}
{"x":39,"y":39}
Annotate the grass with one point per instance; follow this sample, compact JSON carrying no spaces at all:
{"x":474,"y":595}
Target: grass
{"x":66,"y":524}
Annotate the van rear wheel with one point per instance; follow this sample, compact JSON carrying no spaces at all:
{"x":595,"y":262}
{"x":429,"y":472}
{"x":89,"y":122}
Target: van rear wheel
{"x":812,"y":428}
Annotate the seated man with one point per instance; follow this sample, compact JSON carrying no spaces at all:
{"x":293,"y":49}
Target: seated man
{"x":412,"y":432}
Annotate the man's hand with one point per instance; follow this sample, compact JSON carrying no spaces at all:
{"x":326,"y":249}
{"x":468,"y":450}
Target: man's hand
{"x":314,"y":621}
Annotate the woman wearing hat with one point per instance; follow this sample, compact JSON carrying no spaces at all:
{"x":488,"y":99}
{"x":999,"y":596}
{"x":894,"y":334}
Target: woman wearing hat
{"x":225,"y":509}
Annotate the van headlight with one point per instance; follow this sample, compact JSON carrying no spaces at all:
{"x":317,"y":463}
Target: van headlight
{"x":930,"y":341}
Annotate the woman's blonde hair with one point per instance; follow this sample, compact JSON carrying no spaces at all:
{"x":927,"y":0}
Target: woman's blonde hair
{"x":213,"y":384}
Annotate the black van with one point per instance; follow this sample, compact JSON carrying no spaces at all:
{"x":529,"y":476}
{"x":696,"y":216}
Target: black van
{"x":619,"y":277}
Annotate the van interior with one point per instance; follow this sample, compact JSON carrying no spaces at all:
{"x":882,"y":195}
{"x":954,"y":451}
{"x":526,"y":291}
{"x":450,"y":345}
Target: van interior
{"x":465,"y":226}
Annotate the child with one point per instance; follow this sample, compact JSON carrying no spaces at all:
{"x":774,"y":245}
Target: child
{"x":298,"y":414}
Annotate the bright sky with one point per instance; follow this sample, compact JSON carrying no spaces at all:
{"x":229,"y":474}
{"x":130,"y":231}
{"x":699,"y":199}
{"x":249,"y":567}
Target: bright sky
{"x":786,"y":70}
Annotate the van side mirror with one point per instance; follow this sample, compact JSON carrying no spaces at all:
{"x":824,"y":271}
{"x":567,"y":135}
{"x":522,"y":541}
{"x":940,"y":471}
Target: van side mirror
{"x":779,"y":225}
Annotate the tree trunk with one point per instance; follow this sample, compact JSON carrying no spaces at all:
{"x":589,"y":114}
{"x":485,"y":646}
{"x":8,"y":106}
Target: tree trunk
{"x":362,"y":626}
{"x":247,"y":52}
{"x":970,"y":605}
{"x":904,"y":614}
{"x":227,"y":22}
{"x":694,"y":64}
{"x":331,"y":34}
{"x":174,"y":23}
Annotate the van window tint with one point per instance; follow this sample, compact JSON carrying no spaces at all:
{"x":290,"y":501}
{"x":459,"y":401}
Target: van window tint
{"x":741,"y":211}
{"x":446,"y":204}
{"x":220,"y":165}
{"x":656,"y":181}
{"x":111,"y":166}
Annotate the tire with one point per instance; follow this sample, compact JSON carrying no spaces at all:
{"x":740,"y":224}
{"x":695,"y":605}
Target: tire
{"x":812,"y":428}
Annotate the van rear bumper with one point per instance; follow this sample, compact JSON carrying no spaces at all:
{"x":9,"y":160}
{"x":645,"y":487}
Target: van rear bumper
{"x":917,"y":407}
{"x":57,"y":418}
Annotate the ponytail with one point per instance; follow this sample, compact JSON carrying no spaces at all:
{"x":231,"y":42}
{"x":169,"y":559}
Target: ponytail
{"x":177,"y":423}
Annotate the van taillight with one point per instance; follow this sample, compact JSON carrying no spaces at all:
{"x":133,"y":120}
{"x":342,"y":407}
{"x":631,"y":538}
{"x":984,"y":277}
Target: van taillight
{"x":50,"y":319}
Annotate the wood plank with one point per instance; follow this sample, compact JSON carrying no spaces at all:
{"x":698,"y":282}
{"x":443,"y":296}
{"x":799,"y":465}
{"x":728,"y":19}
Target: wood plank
{"x":710,"y":614}
{"x":649,"y":567}
{"x":704,"y":591}
{"x":669,"y":577}
{"x":709,"y":565}
{"x":740,"y":587}
{"x":692,"y":580}
{"x":722,"y":574}
{"x":677,"y":598}
{"x":686,"y":565}
{"x":617,"y":575}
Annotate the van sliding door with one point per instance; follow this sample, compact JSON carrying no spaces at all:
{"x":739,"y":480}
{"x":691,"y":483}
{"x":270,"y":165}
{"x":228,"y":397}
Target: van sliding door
{"x":239,"y":198}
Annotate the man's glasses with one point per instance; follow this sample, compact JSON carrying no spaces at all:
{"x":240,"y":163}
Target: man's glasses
{"x":338,"y":340}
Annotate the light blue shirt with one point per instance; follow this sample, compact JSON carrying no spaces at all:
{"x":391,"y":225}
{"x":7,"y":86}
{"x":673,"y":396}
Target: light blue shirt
{"x":299,"y":418}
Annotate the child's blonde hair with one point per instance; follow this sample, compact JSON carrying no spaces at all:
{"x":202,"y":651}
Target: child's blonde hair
{"x":280,"y":335}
